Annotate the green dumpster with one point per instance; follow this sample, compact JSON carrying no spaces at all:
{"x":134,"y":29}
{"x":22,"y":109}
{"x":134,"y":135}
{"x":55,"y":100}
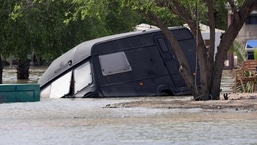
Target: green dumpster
{"x":19,"y":93}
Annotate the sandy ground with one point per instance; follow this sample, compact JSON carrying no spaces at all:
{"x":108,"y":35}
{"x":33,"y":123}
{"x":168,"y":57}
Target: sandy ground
{"x":240,"y":101}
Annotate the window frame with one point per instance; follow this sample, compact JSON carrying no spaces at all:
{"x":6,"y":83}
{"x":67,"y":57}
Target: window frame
{"x":114,"y":63}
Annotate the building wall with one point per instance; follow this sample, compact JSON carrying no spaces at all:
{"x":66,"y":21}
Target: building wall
{"x":249,"y":30}
{"x":246,"y":33}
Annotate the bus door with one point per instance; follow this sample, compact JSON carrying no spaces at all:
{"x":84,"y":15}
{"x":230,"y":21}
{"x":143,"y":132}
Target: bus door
{"x":171,"y":63}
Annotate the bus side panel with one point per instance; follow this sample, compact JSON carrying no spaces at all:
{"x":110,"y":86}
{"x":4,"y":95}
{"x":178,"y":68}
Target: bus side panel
{"x":147,"y":87}
{"x":147,"y":73}
{"x":148,"y":68}
{"x":188,"y":45}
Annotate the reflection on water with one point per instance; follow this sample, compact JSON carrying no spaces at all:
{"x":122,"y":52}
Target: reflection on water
{"x":10,"y":75}
{"x":86,"y":121}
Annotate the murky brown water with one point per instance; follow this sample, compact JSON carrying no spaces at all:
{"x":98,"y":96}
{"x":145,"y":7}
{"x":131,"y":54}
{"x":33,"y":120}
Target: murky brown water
{"x":86,"y":121}
{"x":10,"y":75}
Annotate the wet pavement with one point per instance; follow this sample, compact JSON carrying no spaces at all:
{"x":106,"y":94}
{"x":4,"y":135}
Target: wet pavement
{"x":87,"y":121}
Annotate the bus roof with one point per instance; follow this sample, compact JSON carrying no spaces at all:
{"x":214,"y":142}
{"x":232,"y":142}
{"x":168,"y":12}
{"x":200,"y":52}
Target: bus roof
{"x":83,"y":51}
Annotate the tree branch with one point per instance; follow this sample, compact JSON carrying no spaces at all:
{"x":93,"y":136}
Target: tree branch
{"x":177,"y":8}
{"x":234,"y":10}
{"x":210,"y":6}
{"x":232,"y":6}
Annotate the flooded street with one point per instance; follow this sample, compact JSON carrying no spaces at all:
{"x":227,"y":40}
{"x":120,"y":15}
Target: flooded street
{"x":87,"y":121}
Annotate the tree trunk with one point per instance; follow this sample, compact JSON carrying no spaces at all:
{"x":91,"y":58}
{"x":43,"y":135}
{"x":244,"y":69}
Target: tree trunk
{"x":181,"y":11}
{"x":184,"y":67}
{"x":214,"y":69}
{"x":23,"y":69}
{"x":202,"y":60}
{"x":238,"y":20}
{"x":1,"y":70}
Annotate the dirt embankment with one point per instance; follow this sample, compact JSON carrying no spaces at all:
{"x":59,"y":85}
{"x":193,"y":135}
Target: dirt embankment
{"x":235,"y":101}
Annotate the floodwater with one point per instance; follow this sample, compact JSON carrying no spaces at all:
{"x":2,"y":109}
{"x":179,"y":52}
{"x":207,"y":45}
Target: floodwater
{"x":10,"y":75}
{"x":87,"y":121}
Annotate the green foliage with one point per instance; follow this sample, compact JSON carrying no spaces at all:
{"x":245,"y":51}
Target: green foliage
{"x":16,"y":13}
{"x":120,"y":19}
{"x":193,"y":7}
{"x":111,"y":16}
{"x":48,"y":28}
{"x":239,"y":51}
{"x":172,"y":20}
{"x":255,"y":53}
{"x":4,"y":21}
{"x":248,"y":85}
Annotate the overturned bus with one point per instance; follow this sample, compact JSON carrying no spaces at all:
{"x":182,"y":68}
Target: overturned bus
{"x":129,"y":64}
